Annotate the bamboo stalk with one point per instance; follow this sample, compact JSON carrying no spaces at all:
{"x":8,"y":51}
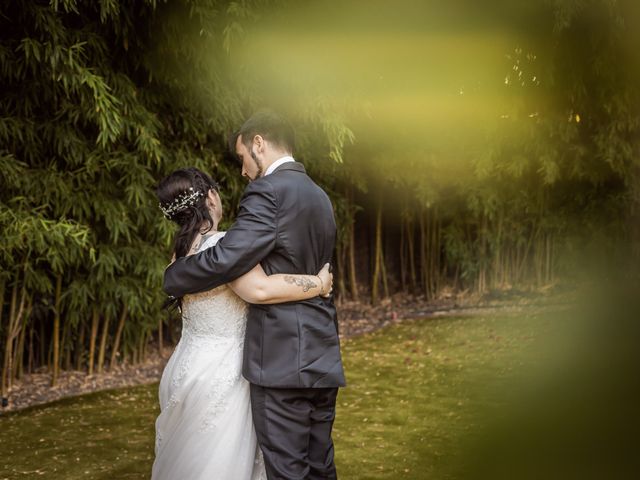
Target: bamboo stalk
{"x":63,"y":342}
{"x":433,"y":254}
{"x":30,"y":354}
{"x":550,"y":260}
{"x":80,"y":346}
{"x":376,"y":255}
{"x":351,"y":255}
{"x":403,"y":255}
{"x":160,"y":343}
{"x":15,"y":332}
{"x":103,"y":344}
{"x":412,"y":256}
{"x":353,"y":281}
{"x":2,"y":290}
{"x":95,"y":318}
{"x":18,"y":358}
{"x":9,"y":341}
{"x":423,"y":258}
{"x":56,"y":332}
{"x":438,"y":267}
{"x":67,"y":356}
{"x":482,"y":274}
{"x":143,"y":346}
{"x":383,"y":272}
{"x":170,"y":328}
{"x":41,"y":340}
{"x":340,"y":254}
{"x":116,"y":341}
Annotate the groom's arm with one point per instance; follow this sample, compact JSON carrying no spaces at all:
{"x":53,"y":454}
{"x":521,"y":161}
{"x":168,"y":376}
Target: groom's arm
{"x":245,"y":244}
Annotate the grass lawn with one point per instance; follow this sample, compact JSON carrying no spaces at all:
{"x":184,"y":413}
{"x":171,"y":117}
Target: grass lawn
{"x":417,"y":393}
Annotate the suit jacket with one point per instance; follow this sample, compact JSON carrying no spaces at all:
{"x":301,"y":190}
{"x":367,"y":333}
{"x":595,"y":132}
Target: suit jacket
{"x":286,"y":224}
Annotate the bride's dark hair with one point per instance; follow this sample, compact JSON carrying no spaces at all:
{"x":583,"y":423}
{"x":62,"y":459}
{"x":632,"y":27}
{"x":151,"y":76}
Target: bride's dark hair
{"x":193,"y":214}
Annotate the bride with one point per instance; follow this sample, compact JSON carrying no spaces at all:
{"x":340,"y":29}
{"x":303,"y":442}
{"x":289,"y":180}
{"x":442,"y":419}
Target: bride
{"x":205,"y":429}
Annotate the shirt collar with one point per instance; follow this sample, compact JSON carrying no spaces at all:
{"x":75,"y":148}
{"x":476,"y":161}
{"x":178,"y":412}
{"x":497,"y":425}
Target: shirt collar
{"x":277,"y":163}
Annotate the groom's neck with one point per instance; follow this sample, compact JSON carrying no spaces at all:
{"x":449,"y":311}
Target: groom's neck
{"x":273,"y":158}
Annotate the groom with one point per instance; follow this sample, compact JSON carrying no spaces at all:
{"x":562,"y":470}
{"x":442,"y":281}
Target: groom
{"x":291,"y":350}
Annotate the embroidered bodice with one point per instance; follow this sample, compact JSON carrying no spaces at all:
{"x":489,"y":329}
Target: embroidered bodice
{"x":216,"y":314}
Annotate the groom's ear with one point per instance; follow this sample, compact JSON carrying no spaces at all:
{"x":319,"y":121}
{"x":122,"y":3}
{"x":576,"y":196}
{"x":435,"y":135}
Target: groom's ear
{"x":259,"y":142}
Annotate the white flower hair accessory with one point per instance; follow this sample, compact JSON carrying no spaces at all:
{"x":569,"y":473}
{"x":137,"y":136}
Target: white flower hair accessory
{"x":186,"y":199}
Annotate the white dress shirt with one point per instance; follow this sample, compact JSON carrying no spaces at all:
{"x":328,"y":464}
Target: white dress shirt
{"x":277,"y":163}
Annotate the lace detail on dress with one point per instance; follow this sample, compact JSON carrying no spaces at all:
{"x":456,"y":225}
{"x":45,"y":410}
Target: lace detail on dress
{"x":202,"y":330}
{"x":230,"y":310}
{"x":258,"y":467}
{"x":219,"y":388}
{"x":203,"y":395}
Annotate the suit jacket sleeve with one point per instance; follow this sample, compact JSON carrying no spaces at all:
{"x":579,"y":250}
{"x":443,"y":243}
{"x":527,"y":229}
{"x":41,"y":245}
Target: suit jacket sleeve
{"x":246,"y":243}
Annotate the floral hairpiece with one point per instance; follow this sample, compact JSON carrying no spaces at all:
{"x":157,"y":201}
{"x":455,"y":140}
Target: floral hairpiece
{"x":186,"y":199}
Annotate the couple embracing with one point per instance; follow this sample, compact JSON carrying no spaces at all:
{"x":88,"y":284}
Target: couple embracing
{"x":250,"y":390}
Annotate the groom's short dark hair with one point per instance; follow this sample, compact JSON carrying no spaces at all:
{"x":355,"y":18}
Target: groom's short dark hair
{"x":268,"y":124}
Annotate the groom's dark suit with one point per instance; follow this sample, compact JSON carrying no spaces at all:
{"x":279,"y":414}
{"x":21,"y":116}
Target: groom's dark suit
{"x":291,"y":351}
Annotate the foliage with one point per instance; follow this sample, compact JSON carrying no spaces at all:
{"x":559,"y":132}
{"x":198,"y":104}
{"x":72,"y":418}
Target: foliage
{"x":102,"y":99}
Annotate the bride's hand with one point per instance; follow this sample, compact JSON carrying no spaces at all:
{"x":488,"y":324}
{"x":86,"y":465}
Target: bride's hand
{"x":327,"y":280}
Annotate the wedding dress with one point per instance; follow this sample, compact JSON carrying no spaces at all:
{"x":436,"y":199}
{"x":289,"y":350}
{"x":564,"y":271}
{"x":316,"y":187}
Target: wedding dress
{"x":205,"y":429}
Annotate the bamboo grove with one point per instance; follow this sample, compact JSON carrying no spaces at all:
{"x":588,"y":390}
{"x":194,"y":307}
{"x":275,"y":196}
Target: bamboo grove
{"x":97,"y":105}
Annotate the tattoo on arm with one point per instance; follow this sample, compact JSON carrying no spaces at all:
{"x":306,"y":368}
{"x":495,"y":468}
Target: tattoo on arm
{"x":305,"y":283}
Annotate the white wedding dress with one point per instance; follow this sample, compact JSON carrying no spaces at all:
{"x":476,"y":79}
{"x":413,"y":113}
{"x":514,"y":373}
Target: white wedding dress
{"x":205,"y":429}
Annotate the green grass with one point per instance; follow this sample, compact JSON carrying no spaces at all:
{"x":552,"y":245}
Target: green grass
{"x":417,"y":393}
{"x":415,"y":397}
